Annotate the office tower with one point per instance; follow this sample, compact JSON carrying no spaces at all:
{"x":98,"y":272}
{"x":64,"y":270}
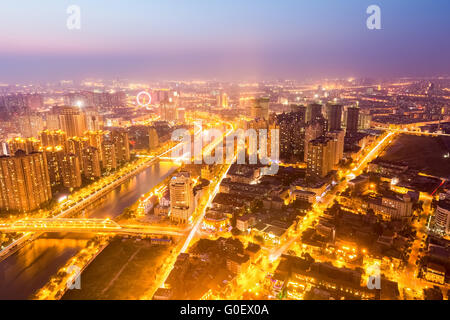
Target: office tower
{"x":76,"y":145}
{"x":119,"y":136}
{"x":24,"y":182}
{"x":313,"y":112}
{"x":71,"y":171}
{"x":292,"y":135}
{"x":54,"y":156}
{"x":153,"y":138}
{"x":181,"y":197}
{"x":334,"y":116}
{"x":339,"y":137}
{"x":30,"y":125}
{"x":167,"y":110}
{"x":91,"y":163}
{"x":320,"y":157}
{"x":109,"y":162}
{"x":352,"y":120}
{"x":442,"y":216}
{"x":72,"y":120}
{"x":139,"y":137}
{"x":313,"y":130}
{"x":53,"y":138}
{"x":28,"y":145}
{"x":260,"y":109}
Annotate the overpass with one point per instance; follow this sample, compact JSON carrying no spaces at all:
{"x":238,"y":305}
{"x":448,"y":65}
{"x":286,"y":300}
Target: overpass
{"x":86,"y":225}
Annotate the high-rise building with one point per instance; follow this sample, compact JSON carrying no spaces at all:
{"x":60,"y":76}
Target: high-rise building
{"x":96,"y":140}
{"x":167,"y":110}
{"x":28,"y":145}
{"x":30,"y":125}
{"x":352,"y":120}
{"x":91,"y":163}
{"x":313,"y":130}
{"x":109,"y":162}
{"x":76,"y":145}
{"x":71,"y":120}
{"x":153,"y":138}
{"x":53,"y":138}
{"x":119,"y":136}
{"x":54,"y":156}
{"x":71,"y":171}
{"x":181,"y":197}
{"x":24,"y":182}
{"x":334,"y":116}
{"x":94,"y":122}
{"x":222,"y":100}
{"x":292,"y":135}
{"x":364,"y":120}
{"x":339,"y":137}
{"x":52,"y":121}
{"x":313,"y":112}
{"x":260,"y":108}
{"x":320,"y":159}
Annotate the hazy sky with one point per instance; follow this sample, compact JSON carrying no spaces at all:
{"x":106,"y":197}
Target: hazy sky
{"x":229,"y":39}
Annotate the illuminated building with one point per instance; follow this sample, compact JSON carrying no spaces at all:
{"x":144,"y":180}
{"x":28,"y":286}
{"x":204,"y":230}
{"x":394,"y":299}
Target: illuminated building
{"x":181,"y":197}
{"x":352,"y":119}
{"x":392,"y":206}
{"x":28,"y":145}
{"x":94,"y":121}
{"x":91,"y":163}
{"x":96,"y":141}
{"x":71,"y":120}
{"x":313,"y":112}
{"x":364,"y":121}
{"x":76,"y":145}
{"x":435,"y":273}
{"x":109,"y":162}
{"x":119,"y":137}
{"x":292,"y":135}
{"x":312,"y":131}
{"x":222,"y":100}
{"x":260,"y":109}
{"x":30,"y":125}
{"x":338,"y":136}
{"x":24,"y":182}
{"x":153,"y":138}
{"x":167,"y":110}
{"x":54,"y":156}
{"x":53,"y":138}
{"x":52,"y":121}
{"x":215,"y":221}
{"x":71,"y":171}
{"x":320,"y":158}
{"x":334,"y":116}
{"x":442,"y":216}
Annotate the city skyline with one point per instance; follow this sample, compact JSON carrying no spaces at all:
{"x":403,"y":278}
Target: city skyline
{"x":230,"y":40}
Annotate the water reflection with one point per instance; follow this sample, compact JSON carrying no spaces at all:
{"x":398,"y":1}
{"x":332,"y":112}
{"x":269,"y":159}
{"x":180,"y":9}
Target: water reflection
{"x":30,"y":268}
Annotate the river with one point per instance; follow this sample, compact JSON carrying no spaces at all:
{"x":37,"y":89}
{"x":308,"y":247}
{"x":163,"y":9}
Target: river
{"x":31,"y":267}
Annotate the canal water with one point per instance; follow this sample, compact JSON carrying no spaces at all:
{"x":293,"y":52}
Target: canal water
{"x":31,"y":267}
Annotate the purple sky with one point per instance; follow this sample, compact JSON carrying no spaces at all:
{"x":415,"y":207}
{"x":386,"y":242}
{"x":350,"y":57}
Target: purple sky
{"x":230,"y":39}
